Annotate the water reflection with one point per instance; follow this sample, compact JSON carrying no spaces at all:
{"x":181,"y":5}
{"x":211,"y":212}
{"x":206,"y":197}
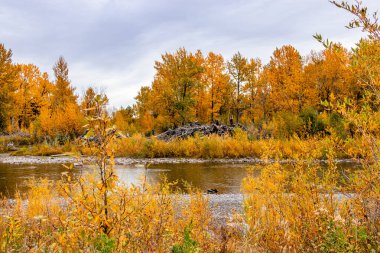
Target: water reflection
{"x":226,"y":178}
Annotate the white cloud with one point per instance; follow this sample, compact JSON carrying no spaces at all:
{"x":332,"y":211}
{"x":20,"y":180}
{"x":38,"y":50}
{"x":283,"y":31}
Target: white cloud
{"x":113,"y":43}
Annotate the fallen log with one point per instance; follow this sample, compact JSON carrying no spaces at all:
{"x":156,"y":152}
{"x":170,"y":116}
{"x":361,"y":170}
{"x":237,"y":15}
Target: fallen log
{"x":191,"y":129}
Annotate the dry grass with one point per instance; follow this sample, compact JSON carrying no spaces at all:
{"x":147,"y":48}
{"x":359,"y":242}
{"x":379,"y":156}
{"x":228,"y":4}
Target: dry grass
{"x":141,"y":220}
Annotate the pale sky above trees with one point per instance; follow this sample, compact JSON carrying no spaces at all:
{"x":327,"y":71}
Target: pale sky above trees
{"x":113,"y":44}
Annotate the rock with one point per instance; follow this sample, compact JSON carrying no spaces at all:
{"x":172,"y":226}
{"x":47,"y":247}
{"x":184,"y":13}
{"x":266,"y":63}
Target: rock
{"x":193,"y":128}
{"x":212,"y":191}
{"x":11,"y":147}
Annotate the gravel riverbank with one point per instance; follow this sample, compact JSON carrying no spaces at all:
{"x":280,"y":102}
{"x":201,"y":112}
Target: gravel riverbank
{"x":223,"y":206}
{"x":61,"y":159}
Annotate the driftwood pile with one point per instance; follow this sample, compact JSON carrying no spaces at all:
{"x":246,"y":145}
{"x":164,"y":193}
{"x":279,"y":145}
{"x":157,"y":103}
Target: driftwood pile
{"x":191,"y":129}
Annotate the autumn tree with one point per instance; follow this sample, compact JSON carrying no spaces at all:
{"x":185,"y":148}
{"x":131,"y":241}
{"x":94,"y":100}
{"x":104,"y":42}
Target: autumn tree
{"x":144,"y":109}
{"x":365,"y":66}
{"x":250,"y":89}
{"x":174,"y":88}
{"x":88,"y":101}
{"x":8,"y":78}
{"x":285,"y":76}
{"x":218,"y":86}
{"x":328,"y":73}
{"x":201,"y":105}
{"x":237,"y":68}
{"x":263,"y":92}
{"x":124,"y":119}
{"x":365,"y":60}
{"x":63,"y":92}
{"x":31,"y":94}
{"x":63,"y":118}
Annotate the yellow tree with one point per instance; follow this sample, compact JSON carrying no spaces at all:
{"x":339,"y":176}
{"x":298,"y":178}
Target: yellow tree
{"x":218,"y":86}
{"x":365,"y":66}
{"x":8,"y":79}
{"x":64,"y":118}
{"x":365,"y":60}
{"x":31,"y":94}
{"x":329,"y":74}
{"x":250,"y":89}
{"x":63,"y":92}
{"x":88,"y":101}
{"x":285,"y":76}
{"x":144,"y":110}
{"x":262,"y":106}
{"x":174,"y":88}
{"x":237,"y":68}
{"x":124,"y":119}
{"x":200,"y":93}
{"x":312,"y":74}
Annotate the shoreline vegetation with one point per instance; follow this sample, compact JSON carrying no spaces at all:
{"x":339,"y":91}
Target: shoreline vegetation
{"x":237,"y":146}
{"x":325,"y":106}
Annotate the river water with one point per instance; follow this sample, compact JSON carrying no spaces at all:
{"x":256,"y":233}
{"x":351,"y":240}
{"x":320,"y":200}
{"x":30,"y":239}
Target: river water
{"x":225,"y":177}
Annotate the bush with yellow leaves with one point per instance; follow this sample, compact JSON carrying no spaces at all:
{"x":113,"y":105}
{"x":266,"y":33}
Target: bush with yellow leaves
{"x":97,"y":213}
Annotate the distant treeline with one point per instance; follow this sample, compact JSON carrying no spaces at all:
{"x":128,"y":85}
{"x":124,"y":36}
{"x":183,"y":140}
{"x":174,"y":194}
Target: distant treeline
{"x":289,"y":95}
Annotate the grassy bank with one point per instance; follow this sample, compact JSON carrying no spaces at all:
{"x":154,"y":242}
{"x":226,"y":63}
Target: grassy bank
{"x":207,"y":147}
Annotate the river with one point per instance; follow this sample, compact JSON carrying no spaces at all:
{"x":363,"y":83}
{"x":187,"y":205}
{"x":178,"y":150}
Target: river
{"x":225,"y":177}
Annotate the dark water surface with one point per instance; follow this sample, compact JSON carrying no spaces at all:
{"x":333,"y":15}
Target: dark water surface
{"x":226,"y":178}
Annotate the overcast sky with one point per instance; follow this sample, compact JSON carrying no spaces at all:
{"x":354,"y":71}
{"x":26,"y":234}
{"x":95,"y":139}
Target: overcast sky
{"x":112,"y":44}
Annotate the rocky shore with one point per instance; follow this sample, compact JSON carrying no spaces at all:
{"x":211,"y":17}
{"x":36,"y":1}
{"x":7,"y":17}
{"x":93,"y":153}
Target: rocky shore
{"x":62,"y":159}
{"x":224,"y":206}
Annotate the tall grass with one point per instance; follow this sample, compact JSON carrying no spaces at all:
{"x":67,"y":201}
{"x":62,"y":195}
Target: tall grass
{"x":299,"y":209}
{"x":214,"y":146}
{"x":153,"y":219}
